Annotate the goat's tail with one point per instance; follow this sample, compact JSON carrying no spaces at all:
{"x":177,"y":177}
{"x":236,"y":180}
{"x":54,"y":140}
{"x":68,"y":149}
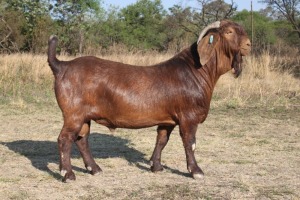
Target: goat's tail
{"x":52,"y":60}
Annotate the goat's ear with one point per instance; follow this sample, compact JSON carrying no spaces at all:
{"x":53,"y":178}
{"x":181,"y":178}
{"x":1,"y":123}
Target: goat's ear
{"x":206,"y":47}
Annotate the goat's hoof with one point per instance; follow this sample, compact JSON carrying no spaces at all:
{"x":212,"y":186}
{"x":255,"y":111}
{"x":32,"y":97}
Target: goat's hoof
{"x":95,"y":173}
{"x":69,"y":176}
{"x":95,"y":170}
{"x":156,"y":168}
{"x":198,"y":176}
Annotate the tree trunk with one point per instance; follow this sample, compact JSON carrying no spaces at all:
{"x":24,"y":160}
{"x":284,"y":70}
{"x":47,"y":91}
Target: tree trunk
{"x":81,"y":39}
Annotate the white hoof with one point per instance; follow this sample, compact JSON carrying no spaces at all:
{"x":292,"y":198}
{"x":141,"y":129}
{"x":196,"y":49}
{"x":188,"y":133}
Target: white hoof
{"x":97,"y":173}
{"x":151,"y":163}
{"x":89,"y":168}
{"x":198,"y":176}
{"x":63,"y":172}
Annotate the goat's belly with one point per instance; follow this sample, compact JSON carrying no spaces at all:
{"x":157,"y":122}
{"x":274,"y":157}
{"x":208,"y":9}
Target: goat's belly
{"x":120,"y":116}
{"x":134,"y":123}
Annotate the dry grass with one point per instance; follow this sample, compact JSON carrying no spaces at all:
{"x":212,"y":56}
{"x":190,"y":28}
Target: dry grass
{"x":26,"y":78}
{"x":245,"y":154}
{"x":261,"y":84}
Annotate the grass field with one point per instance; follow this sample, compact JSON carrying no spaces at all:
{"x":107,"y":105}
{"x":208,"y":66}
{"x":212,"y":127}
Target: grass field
{"x":248,"y":148}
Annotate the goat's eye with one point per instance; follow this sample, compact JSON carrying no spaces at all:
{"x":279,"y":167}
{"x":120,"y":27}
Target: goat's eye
{"x":228,"y":32}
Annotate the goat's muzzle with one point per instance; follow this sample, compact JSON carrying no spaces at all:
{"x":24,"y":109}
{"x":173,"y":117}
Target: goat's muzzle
{"x":246,"y":47}
{"x":245,"y":50}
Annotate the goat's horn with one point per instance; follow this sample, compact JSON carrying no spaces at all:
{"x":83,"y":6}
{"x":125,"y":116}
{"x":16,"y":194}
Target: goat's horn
{"x":210,"y":26}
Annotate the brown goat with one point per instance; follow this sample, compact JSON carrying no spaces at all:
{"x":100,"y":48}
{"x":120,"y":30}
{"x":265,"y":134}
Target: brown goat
{"x":116,"y":95}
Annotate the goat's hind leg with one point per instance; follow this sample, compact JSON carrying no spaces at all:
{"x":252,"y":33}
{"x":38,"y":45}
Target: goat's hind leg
{"x":163,"y":135}
{"x":83,"y":146}
{"x":65,"y":140}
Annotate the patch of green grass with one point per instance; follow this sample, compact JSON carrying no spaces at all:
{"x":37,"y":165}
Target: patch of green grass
{"x":232,"y":104}
{"x":2,"y":160}
{"x":244,"y":162}
{"x":20,"y":195}
{"x":262,"y":142}
{"x":184,"y":192}
{"x":96,"y":193}
{"x":9,"y":180}
{"x":260,"y":174}
{"x":275,"y":192}
{"x":236,"y":135}
{"x":291,"y":149}
{"x":169,"y":192}
{"x":241,"y":186}
{"x":220,"y":161}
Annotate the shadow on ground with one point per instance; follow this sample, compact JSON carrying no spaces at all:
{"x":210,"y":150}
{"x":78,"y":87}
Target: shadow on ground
{"x":41,"y":153}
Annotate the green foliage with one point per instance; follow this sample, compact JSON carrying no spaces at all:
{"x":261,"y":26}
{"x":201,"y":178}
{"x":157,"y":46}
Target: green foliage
{"x":32,"y":12}
{"x":138,"y":26}
{"x":285,"y":31}
{"x":290,"y":10}
{"x":107,"y":31}
{"x":74,"y":18}
{"x":12,"y":30}
{"x":142,"y":24}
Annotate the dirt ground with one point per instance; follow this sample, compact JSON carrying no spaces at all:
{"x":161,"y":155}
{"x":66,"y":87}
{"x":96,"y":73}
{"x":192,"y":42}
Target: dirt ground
{"x":251,"y":153}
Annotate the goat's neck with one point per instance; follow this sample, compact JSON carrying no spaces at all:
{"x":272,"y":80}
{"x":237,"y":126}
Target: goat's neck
{"x":224,"y":61}
{"x":206,"y":75}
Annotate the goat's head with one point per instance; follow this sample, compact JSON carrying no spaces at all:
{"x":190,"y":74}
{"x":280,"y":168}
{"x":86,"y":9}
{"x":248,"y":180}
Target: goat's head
{"x":224,"y":38}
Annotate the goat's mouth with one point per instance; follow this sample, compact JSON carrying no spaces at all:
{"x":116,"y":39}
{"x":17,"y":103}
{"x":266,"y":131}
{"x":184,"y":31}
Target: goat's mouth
{"x":245,"y":51}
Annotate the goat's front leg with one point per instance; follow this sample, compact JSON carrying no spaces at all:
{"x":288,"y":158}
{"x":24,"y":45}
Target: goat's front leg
{"x":188,"y":135}
{"x":163,"y":135}
{"x":83,"y":146}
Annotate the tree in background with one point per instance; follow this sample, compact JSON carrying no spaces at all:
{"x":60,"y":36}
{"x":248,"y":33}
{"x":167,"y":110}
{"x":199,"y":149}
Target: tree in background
{"x":8,"y":40}
{"x":23,"y":18}
{"x":289,"y":9}
{"x":74,"y":18}
{"x":184,"y":31}
{"x":214,"y":10}
{"x":106,"y":32}
{"x":141,"y":24}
